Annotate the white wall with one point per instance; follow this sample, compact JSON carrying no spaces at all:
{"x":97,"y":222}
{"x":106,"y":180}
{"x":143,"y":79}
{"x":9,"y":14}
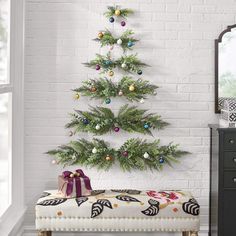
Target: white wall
{"x":177,"y":40}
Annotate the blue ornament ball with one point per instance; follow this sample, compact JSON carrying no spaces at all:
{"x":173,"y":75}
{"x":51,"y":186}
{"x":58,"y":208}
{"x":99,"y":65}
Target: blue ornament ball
{"x":111,"y":19}
{"x":161,"y":160}
{"x":139,"y":72}
{"x":146,"y":126}
{"x":85,"y":121}
{"x":130,"y":44}
{"x":108,"y":63}
{"x":108,"y":101}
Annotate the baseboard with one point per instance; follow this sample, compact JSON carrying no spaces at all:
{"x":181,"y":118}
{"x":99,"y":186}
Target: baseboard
{"x":30,"y":231}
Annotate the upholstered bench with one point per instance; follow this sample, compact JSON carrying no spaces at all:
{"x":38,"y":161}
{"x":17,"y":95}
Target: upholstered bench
{"x":118,"y":210}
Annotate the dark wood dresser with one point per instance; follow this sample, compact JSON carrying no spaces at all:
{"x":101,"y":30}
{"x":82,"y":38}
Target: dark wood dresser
{"x":222,"y":213}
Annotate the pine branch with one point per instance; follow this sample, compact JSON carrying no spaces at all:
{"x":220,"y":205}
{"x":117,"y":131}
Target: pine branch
{"x":101,"y":120}
{"x":125,"y":12}
{"x":126,"y":41}
{"x":105,"y":88}
{"x":133,"y":154}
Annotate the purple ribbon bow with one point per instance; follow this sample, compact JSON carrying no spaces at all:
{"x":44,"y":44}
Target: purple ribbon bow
{"x":71,"y":177}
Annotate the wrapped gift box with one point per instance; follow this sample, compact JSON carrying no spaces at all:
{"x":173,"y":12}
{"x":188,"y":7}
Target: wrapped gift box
{"x":75,"y":184}
{"x":228,"y":113}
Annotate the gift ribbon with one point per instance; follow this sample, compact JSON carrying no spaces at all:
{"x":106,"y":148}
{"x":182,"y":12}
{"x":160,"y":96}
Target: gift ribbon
{"x":71,"y":177}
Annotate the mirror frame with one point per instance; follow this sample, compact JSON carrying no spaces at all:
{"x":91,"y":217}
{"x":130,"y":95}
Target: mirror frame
{"x":217,"y":41}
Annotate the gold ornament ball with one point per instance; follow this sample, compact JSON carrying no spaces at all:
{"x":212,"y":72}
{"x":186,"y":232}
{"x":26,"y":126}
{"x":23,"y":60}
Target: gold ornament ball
{"x":77,"y":96}
{"x":100,"y":35}
{"x":131,"y":88}
{"x":111,"y":73}
{"x":93,"y":89}
{"x":117,"y":12}
{"x":71,"y":175}
{"x":108,"y":158}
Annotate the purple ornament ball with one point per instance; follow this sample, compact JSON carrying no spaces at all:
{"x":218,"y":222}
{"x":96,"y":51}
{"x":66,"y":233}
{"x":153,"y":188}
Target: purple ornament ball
{"x":125,"y":153}
{"x":123,"y":23}
{"x":116,"y":129}
{"x":97,"y":67}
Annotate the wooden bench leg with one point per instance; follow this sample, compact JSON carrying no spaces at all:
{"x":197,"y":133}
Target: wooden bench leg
{"x":45,"y":233}
{"x":190,"y":233}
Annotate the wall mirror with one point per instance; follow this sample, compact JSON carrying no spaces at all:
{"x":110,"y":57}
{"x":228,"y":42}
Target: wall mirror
{"x":225,"y":66}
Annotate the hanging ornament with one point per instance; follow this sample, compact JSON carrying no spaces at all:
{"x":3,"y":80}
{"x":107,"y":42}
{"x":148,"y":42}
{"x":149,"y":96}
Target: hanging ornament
{"x":155,"y":93}
{"x":119,"y":42}
{"x":93,"y":89}
{"x":100,"y":35}
{"x":123,"y":65}
{"x":139,"y":72}
{"x":146,"y":126}
{"x":98,"y":127}
{"x":131,"y":88}
{"x":111,"y":19}
{"x":116,"y":129}
{"x":141,"y":100}
{"x":122,"y":23}
{"x":54,"y":162}
{"x":125,"y":153}
{"x":120,"y":93}
{"x":146,"y":155}
{"x":117,"y":12}
{"x":161,"y":160}
{"x":85,"y":121}
{"x":77,"y":96}
{"x":71,"y":133}
{"x":97,"y":67}
{"x":130,"y":44}
{"x":108,"y":158}
{"x":108,"y":62}
{"x":74,"y":157}
{"x":107,"y":100}
{"x":94,"y":150}
{"x":110,"y":73}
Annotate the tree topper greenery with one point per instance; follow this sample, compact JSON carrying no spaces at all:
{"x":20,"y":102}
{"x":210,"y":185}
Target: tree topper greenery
{"x":103,"y":88}
{"x":133,"y":154}
{"x":100,"y":120}
{"x":117,"y":11}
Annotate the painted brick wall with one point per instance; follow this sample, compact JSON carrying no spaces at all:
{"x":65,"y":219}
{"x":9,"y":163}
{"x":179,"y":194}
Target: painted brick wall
{"x":177,"y":40}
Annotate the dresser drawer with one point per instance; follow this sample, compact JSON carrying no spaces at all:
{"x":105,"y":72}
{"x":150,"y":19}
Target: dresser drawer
{"x":230,"y":141}
{"x":230,"y":179}
{"x":230,"y":160}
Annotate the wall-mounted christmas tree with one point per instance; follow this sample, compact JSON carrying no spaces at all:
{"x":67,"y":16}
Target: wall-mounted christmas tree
{"x":134,"y":153}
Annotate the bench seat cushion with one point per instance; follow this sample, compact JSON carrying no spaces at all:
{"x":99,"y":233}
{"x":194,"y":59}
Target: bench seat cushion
{"x":154,"y":210}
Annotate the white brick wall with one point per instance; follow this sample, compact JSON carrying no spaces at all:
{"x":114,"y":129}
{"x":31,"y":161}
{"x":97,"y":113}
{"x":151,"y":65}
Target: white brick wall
{"x":177,"y":40}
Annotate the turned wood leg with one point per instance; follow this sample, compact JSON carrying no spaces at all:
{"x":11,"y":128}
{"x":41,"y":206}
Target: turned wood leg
{"x":190,"y":233}
{"x":45,"y":233}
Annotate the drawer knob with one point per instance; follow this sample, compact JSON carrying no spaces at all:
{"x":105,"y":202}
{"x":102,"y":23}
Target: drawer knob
{"x":231,"y":141}
{"x":234,"y":179}
{"x":234,"y":159}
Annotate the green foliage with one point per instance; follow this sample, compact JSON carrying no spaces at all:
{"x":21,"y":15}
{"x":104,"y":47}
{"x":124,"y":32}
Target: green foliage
{"x":81,"y":152}
{"x":128,"y":63}
{"x":133,"y":64}
{"x":105,"y":88}
{"x":109,"y":39}
{"x":130,"y":119}
{"x":125,"y":12}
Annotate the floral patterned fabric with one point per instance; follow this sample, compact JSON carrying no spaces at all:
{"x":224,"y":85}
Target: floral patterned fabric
{"x":119,"y":203}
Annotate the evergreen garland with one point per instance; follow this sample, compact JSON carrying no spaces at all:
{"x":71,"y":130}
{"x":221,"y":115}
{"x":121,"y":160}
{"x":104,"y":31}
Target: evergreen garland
{"x":123,"y":12}
{"x":101,"y":120}
{"x":107,"y":39}
{"x":133,"y":154}
{"x":104,"y":88}
{"x":128,"y":63}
